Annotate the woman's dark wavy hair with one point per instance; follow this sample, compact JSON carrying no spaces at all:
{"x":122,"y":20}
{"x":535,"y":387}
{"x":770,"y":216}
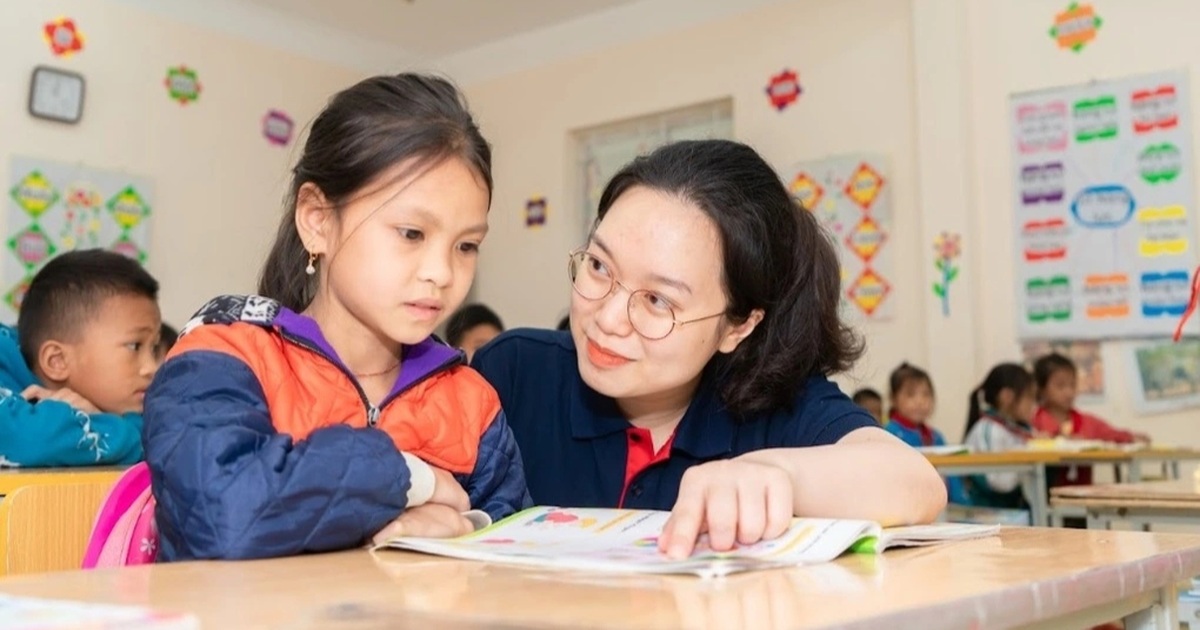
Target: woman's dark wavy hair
{"x":364,"y":131}
{"x":776,"y":258}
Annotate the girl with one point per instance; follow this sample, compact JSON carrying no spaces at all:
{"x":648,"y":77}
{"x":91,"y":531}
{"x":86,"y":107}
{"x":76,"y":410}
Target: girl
{"x":998,"y":420}
{"x":312,"y":416}
{"x":912,"y":405}
{"x":1057,"y":381}
{"x":703,"y":322}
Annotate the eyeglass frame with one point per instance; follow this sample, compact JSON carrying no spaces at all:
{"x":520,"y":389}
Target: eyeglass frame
{"x":614,"y":283}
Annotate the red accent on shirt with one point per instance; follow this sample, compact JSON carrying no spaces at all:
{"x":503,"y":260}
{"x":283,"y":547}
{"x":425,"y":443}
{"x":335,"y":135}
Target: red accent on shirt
{"x":924,"y":430}
{"x":641,"y":455}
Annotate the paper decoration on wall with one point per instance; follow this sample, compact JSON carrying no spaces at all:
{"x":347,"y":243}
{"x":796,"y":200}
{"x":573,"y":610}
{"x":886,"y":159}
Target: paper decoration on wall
{"x":849,"y":197}
{"x":56,"y":207}
{"x":784,"y":89}
{"x":277,"y":127}
{"x":182,"y":84}
{"x":1088,"y":361}
{"x":1166,"y":375}
{"x":1105,"y":208}
{"x":947,"y":248}
{"x":63,"y":37}
{"x":1076,"y":27}
{"x":535,"y":212}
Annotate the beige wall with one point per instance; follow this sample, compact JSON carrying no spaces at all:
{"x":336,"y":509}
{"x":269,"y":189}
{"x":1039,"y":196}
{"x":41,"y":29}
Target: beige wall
{"x":856,"y":71}
{"x":876,"y":73}
{"x":217,"y":182}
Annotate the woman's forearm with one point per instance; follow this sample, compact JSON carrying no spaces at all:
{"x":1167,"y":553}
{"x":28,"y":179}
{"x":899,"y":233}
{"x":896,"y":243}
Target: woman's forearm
{"x":876,"y":479}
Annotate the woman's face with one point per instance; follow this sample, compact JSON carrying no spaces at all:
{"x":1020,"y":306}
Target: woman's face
{"x":658,"y":243}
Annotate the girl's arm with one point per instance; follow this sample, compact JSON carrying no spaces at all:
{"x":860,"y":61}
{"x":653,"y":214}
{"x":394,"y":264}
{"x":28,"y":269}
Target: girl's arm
{"x":988,"y":436}
{"x":1097,"y":429}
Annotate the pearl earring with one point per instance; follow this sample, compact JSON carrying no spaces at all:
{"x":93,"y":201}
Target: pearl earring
{"x":312,"y":264}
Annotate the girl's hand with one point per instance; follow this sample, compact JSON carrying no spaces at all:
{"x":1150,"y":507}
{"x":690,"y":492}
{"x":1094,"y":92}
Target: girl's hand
{"x":737,"y":500}
{"x":448,"y":492}
{"x":431,"y":520}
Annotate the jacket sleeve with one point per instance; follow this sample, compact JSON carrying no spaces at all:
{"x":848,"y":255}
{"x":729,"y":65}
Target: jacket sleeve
{"x":1097,"y":429}
{"x":228,"y":485}
{"x":53,"y":433}
{"x":497,"y":485}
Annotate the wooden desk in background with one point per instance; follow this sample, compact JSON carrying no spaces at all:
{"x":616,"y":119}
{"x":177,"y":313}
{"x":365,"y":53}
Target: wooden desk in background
{"x":1034,"y":578}
{"x":1031,"y":465}
{"x":1176,"y":501}
{"x":13,"y":478}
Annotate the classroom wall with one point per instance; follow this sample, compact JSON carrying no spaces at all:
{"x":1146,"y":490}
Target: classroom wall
{"x":217,"y":182}
{"x":1011,"y":52}
{"x":855,"y":69}
{"x":923,"y":81}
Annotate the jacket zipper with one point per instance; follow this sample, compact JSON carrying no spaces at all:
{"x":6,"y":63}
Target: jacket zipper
{"x":373,"y":411}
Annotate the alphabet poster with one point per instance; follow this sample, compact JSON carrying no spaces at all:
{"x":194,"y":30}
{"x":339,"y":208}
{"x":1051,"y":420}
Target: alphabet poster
{"x":1104,"y":208}
{"x":55,"y":207}
{"x":851,"y":197}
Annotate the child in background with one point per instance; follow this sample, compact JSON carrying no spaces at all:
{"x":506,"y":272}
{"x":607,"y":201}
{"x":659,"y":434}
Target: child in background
{"x":74,"y":372}
{"x":322,"y":414}
{"x":912,"y":404}
{"x":870,"y":400}
{"x":471,"y":327}
{"x":167,"y":338}
{"x":998,"y":420}
{"x":1057,"y":380}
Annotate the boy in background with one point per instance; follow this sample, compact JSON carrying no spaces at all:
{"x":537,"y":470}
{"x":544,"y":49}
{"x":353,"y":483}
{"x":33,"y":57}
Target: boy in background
{"x":74,"y":372}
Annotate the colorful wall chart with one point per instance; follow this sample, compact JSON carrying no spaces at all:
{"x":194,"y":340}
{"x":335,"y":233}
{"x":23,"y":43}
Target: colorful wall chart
{"x":851,"y":198}
{"x":1105,"y":208}
{"x":55,"y":207}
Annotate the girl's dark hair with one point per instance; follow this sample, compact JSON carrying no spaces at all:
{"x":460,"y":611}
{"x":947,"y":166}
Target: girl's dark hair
{"x":364,"y":131}
{"x":468,"y":317}
{"x":1010,"y":376}
{"x":905,"y":374}
{"x":1046,"y":366}
{"x":564,"y":323}
{"x":776,"y":258}
{"x":863,"y":395}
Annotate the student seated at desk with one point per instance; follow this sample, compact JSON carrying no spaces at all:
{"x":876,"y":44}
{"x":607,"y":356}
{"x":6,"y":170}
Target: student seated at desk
{"x":998,"y":420}
{"x":322,"y":412}
{"x":74,"y":372}
{"x":871,"y":401}
{"x":1057,"y":381}
{"x":912,"y":405}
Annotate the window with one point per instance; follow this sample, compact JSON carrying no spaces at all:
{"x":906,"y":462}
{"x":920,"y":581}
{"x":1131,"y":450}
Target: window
{"x":601,"y":151}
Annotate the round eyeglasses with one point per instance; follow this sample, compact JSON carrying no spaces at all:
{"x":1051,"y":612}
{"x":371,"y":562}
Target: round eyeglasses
{"x":649,"y":314}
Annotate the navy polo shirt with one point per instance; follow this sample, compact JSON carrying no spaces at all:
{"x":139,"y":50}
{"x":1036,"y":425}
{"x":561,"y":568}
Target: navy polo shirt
{"x":575,"y":442}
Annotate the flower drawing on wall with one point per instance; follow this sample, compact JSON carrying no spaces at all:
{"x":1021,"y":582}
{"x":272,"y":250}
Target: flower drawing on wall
{"x":947,"y":247}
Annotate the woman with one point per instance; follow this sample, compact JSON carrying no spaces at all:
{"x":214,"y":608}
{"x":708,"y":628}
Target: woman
{"x":703,"y":324}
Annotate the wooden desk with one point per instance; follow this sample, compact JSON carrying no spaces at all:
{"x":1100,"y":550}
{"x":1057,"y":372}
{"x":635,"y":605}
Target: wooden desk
{"x":1176,"y":501}
{"x":1037,"y":578}
{"x":13,"y":478}
{"x":1031,"y":465}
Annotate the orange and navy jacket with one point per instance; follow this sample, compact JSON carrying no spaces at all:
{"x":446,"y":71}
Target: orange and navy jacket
{"x":261,"y":443}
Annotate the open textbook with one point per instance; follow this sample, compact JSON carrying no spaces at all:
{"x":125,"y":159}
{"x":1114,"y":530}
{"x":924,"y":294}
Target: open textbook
{"x":626,"y":541}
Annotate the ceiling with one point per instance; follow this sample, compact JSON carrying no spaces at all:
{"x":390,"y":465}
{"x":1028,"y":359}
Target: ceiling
{"x":470,"y":40}
{"x":437,"y":28}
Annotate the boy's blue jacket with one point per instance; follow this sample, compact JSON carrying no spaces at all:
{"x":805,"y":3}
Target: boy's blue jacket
{"x":53,"y":433}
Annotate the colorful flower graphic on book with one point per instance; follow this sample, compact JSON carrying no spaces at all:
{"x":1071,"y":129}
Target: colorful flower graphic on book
{"x":561,"y":517}
{"x":947,"y":249}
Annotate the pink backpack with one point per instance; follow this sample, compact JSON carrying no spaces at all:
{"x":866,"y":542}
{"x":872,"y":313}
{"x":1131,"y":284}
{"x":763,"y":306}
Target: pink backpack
{"x":124,"y":533}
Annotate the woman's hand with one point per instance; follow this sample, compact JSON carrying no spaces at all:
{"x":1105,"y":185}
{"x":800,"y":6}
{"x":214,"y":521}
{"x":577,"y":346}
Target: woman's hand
{"x":431,"y":520}
{"x":733,"y":501}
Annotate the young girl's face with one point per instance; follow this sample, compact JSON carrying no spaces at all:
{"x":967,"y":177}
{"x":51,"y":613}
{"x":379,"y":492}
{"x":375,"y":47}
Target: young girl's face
{"x":914,"y":401}
{"x":401,"y":255}
{"x":1059,"y":392}
{"x":1023,"y":406}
